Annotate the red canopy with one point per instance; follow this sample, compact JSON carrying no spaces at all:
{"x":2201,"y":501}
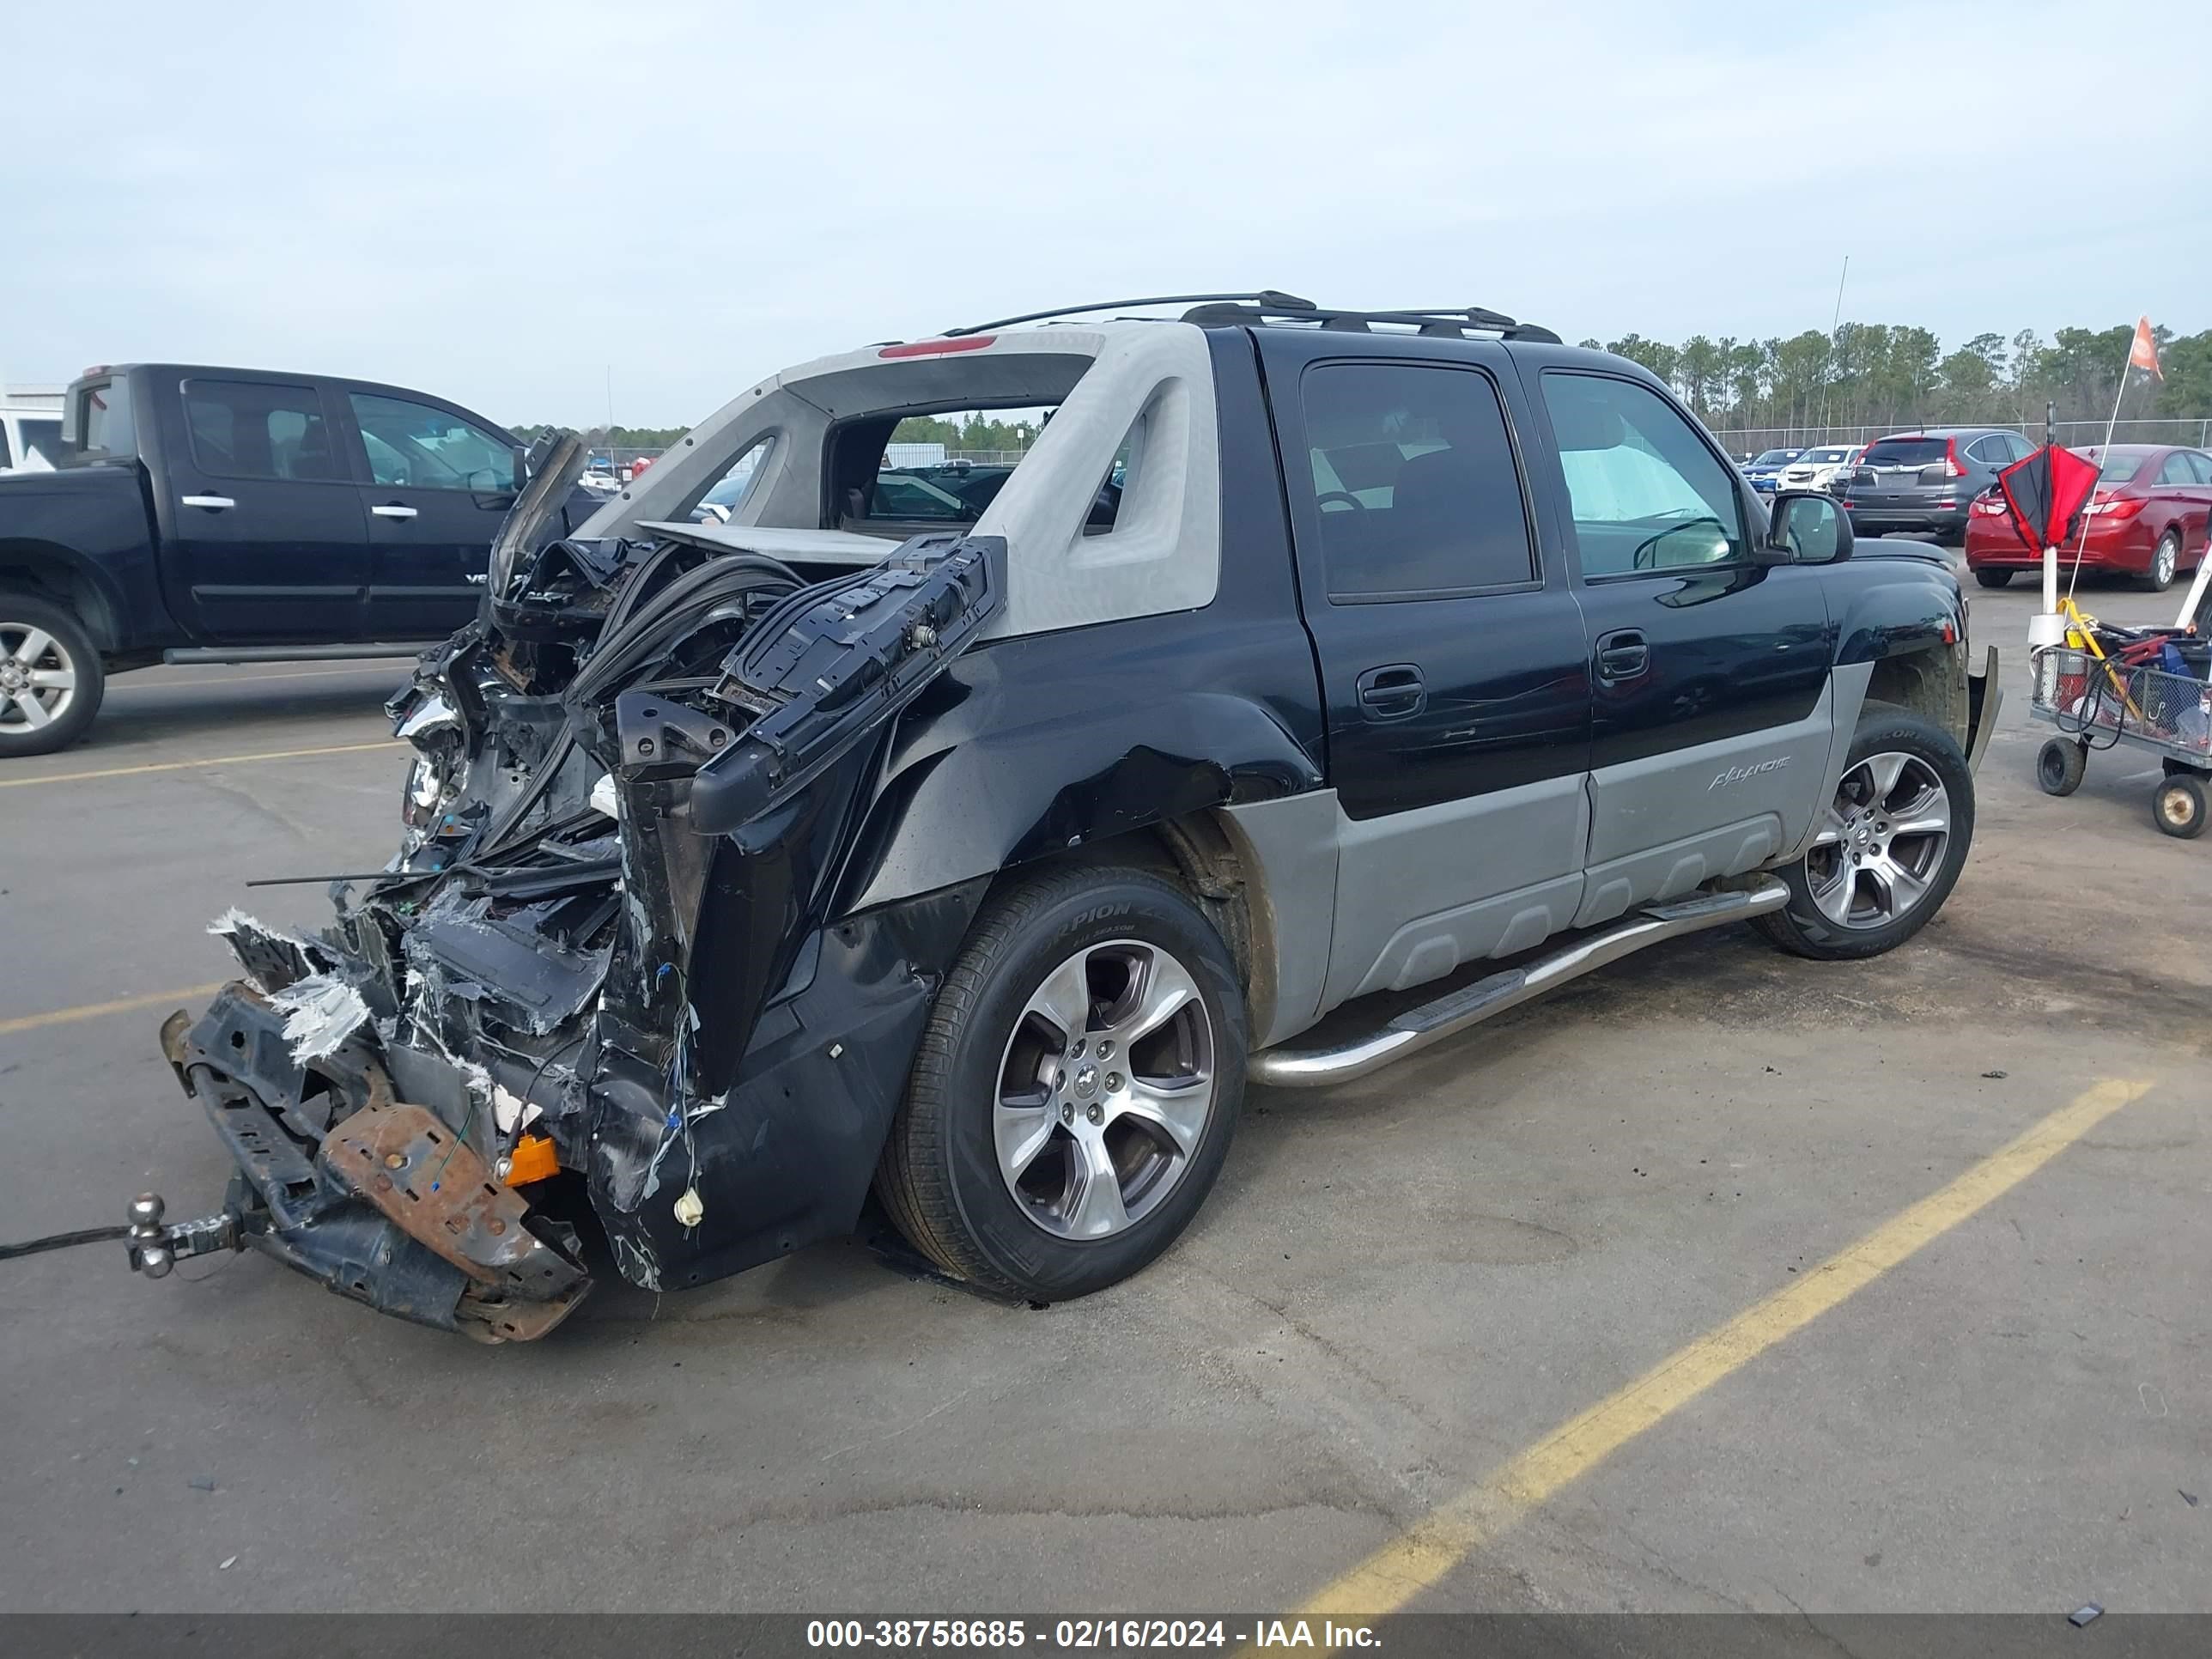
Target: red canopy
{"x":2044,"y":492}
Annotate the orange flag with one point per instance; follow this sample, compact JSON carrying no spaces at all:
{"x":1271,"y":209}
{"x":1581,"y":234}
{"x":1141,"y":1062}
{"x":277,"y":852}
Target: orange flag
{"x":2143,"y":353}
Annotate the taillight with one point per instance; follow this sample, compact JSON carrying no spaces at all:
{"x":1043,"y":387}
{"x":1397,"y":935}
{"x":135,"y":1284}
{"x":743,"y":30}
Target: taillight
{"x":1952,"y":469}
{"x":1989,"y":506}
{"x":2119,"y":509}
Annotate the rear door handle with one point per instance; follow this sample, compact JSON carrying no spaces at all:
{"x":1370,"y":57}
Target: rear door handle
{"x":1392,"y":691}
{"x":214,"y":503}
{"x":1622,"y":655}
{"x":393,"y":510}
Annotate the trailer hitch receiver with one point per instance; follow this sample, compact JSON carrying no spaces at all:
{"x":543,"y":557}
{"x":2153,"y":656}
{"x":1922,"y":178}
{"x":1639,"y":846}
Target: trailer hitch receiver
{"x":155,"y":1249}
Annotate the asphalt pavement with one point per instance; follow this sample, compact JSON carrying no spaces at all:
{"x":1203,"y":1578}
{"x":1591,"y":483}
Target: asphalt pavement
{"x":1995,"y":1394}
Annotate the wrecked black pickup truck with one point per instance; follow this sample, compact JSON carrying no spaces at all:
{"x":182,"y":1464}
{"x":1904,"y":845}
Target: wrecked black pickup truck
{"x":975,"y":849}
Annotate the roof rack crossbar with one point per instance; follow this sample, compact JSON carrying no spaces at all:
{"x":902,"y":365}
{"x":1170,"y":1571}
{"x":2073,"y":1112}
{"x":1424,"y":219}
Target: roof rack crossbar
{"x":1271,"y":298}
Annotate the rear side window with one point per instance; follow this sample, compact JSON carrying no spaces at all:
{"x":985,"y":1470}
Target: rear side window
{"x":246,"y":429}
{"x":103,"y":414}
{"x":2177,"y":470}
{"x":1415,"y":480}
{"x":1907,"y":451}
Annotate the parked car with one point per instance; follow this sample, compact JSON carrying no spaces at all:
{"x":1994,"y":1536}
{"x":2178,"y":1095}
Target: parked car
{"x":2147,"y":518}
{"x":1764,"y":470}
{"x":30,"y":437}
{"x":1928,"y":480}
{"x":199,"y":514}
{"x":1819,"y":467}
{"x":983,"y":865}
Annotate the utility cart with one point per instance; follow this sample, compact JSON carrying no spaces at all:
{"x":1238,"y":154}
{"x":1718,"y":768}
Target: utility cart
{"x":2148,"y":689}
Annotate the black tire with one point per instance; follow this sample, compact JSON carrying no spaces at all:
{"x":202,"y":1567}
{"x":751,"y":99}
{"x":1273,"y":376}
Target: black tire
{"x":940,"y":1177}
{"x":2165,"y":561}
{"x":67,"y":647}
{"x":2059,"y":765}
{"x":2178,"y":808}
{"x":1994,"y":578}
{"x":1800,"y":926}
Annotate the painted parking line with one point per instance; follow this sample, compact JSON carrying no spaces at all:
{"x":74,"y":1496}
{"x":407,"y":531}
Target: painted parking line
{"x":189,"y":765}
{"x":94,"y":1010}
{"x":1418,"y":1559}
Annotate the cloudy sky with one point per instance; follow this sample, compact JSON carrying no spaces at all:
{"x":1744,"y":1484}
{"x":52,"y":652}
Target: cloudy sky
{"x":503,"y":202}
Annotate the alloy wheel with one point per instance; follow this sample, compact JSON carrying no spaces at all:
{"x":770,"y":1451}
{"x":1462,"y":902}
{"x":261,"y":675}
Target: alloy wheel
{"x":1105,"y":1089}
{"x":37,"y":678}
{"x":2163,"y":562}
{"x":1881,"y":843}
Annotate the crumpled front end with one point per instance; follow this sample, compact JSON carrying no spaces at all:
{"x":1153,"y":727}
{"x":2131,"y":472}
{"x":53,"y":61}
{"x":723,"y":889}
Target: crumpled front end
{"x":602,"y":960}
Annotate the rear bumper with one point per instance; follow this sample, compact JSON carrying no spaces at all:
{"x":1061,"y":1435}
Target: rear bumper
{"x":377,"y":1201}
{"x":1941,"y":520}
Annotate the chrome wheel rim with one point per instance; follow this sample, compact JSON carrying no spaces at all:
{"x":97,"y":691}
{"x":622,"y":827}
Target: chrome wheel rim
{"x":2163,"y":562}
{"x":1881,"y":843}
{"x":38,"y":677}
{"x":1105,"y":1089}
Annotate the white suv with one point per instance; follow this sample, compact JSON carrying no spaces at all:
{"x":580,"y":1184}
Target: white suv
{"x":29,"y":429}
{"x":1819,"y":469}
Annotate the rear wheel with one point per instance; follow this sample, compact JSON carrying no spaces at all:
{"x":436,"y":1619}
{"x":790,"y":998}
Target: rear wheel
{"x":1075,"y":1090}
{"x":2178,"y":808}
{"x":1994,"y":578}
{"x":1893,"y":839}
{"x":2059,"y":765}
{"x":2165,"y":560}
{"x":50,"y":678}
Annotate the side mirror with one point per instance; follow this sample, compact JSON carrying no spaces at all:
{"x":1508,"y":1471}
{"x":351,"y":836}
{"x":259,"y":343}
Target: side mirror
{"x":1806,"y":527}
{"x":521,"y":467}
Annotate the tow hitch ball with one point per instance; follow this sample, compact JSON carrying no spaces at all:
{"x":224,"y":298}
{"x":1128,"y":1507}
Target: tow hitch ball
{"x":155,"y":1249}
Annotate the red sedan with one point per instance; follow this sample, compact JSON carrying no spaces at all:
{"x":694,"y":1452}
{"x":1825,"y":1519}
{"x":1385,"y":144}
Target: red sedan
{"x":2149,"y":518}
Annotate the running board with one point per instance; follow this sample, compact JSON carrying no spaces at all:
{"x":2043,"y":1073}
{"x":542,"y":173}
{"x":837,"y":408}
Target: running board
{"x":1449,"y":1015}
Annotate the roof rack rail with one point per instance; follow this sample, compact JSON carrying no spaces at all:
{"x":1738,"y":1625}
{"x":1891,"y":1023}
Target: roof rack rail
{"x":1448,"y":322}
{"x":1269,"y":298}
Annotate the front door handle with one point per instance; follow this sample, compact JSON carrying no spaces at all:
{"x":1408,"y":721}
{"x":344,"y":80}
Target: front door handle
{"x":1622,"y":655}
{"x":393,"y":510}
{"x":213,"y":503}
{"x":1392,"y":691}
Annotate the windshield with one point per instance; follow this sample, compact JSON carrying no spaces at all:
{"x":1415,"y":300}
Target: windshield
{"x":1825,"y":457}
{"x":1908,"y":451}
{"x":1776,"y":457}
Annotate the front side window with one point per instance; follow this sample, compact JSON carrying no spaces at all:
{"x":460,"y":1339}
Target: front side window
{"x":2201,"y":463}
{"x":1415,"y":480}
{"x":413,"y":446}
{"x":246,"y":429}
{"x":1646,"y":492}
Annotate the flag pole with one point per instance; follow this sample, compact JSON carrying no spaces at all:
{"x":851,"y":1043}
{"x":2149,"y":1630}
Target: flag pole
{"x":2111,"y":427}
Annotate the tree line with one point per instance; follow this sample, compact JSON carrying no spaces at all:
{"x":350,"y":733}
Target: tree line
{"x":1886,"y":375}
{"x":1863,"y":374}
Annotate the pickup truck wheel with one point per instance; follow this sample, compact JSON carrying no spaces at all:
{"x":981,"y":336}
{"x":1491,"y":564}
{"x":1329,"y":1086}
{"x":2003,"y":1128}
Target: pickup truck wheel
{"x":50,"y":678}
{"x":1075,"y":1090}
{"x":1892,"y":841}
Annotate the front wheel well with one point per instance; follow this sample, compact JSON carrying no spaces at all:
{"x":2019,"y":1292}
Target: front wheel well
{"x":1932,"y":684}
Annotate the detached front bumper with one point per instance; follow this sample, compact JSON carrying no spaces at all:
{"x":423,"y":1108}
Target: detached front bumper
{"x":382,"y":1201}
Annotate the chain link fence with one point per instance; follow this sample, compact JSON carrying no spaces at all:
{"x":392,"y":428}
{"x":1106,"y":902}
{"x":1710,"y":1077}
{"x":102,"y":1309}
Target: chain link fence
{"x":2075,"y":434}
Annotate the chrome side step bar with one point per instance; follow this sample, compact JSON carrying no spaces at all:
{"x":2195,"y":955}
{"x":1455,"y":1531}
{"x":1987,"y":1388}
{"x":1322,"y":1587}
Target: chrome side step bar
{"x":1449,"y":1015}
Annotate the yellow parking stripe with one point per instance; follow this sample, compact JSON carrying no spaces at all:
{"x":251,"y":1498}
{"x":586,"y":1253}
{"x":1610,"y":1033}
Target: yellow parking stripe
{"x":94,"y":1010}
{"x":187,"y":765}
{"x":1419,"y":1559}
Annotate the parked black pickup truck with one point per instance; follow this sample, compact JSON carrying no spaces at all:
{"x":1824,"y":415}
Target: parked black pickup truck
{"x":226,"y":514}
{"x":850,"y":844}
